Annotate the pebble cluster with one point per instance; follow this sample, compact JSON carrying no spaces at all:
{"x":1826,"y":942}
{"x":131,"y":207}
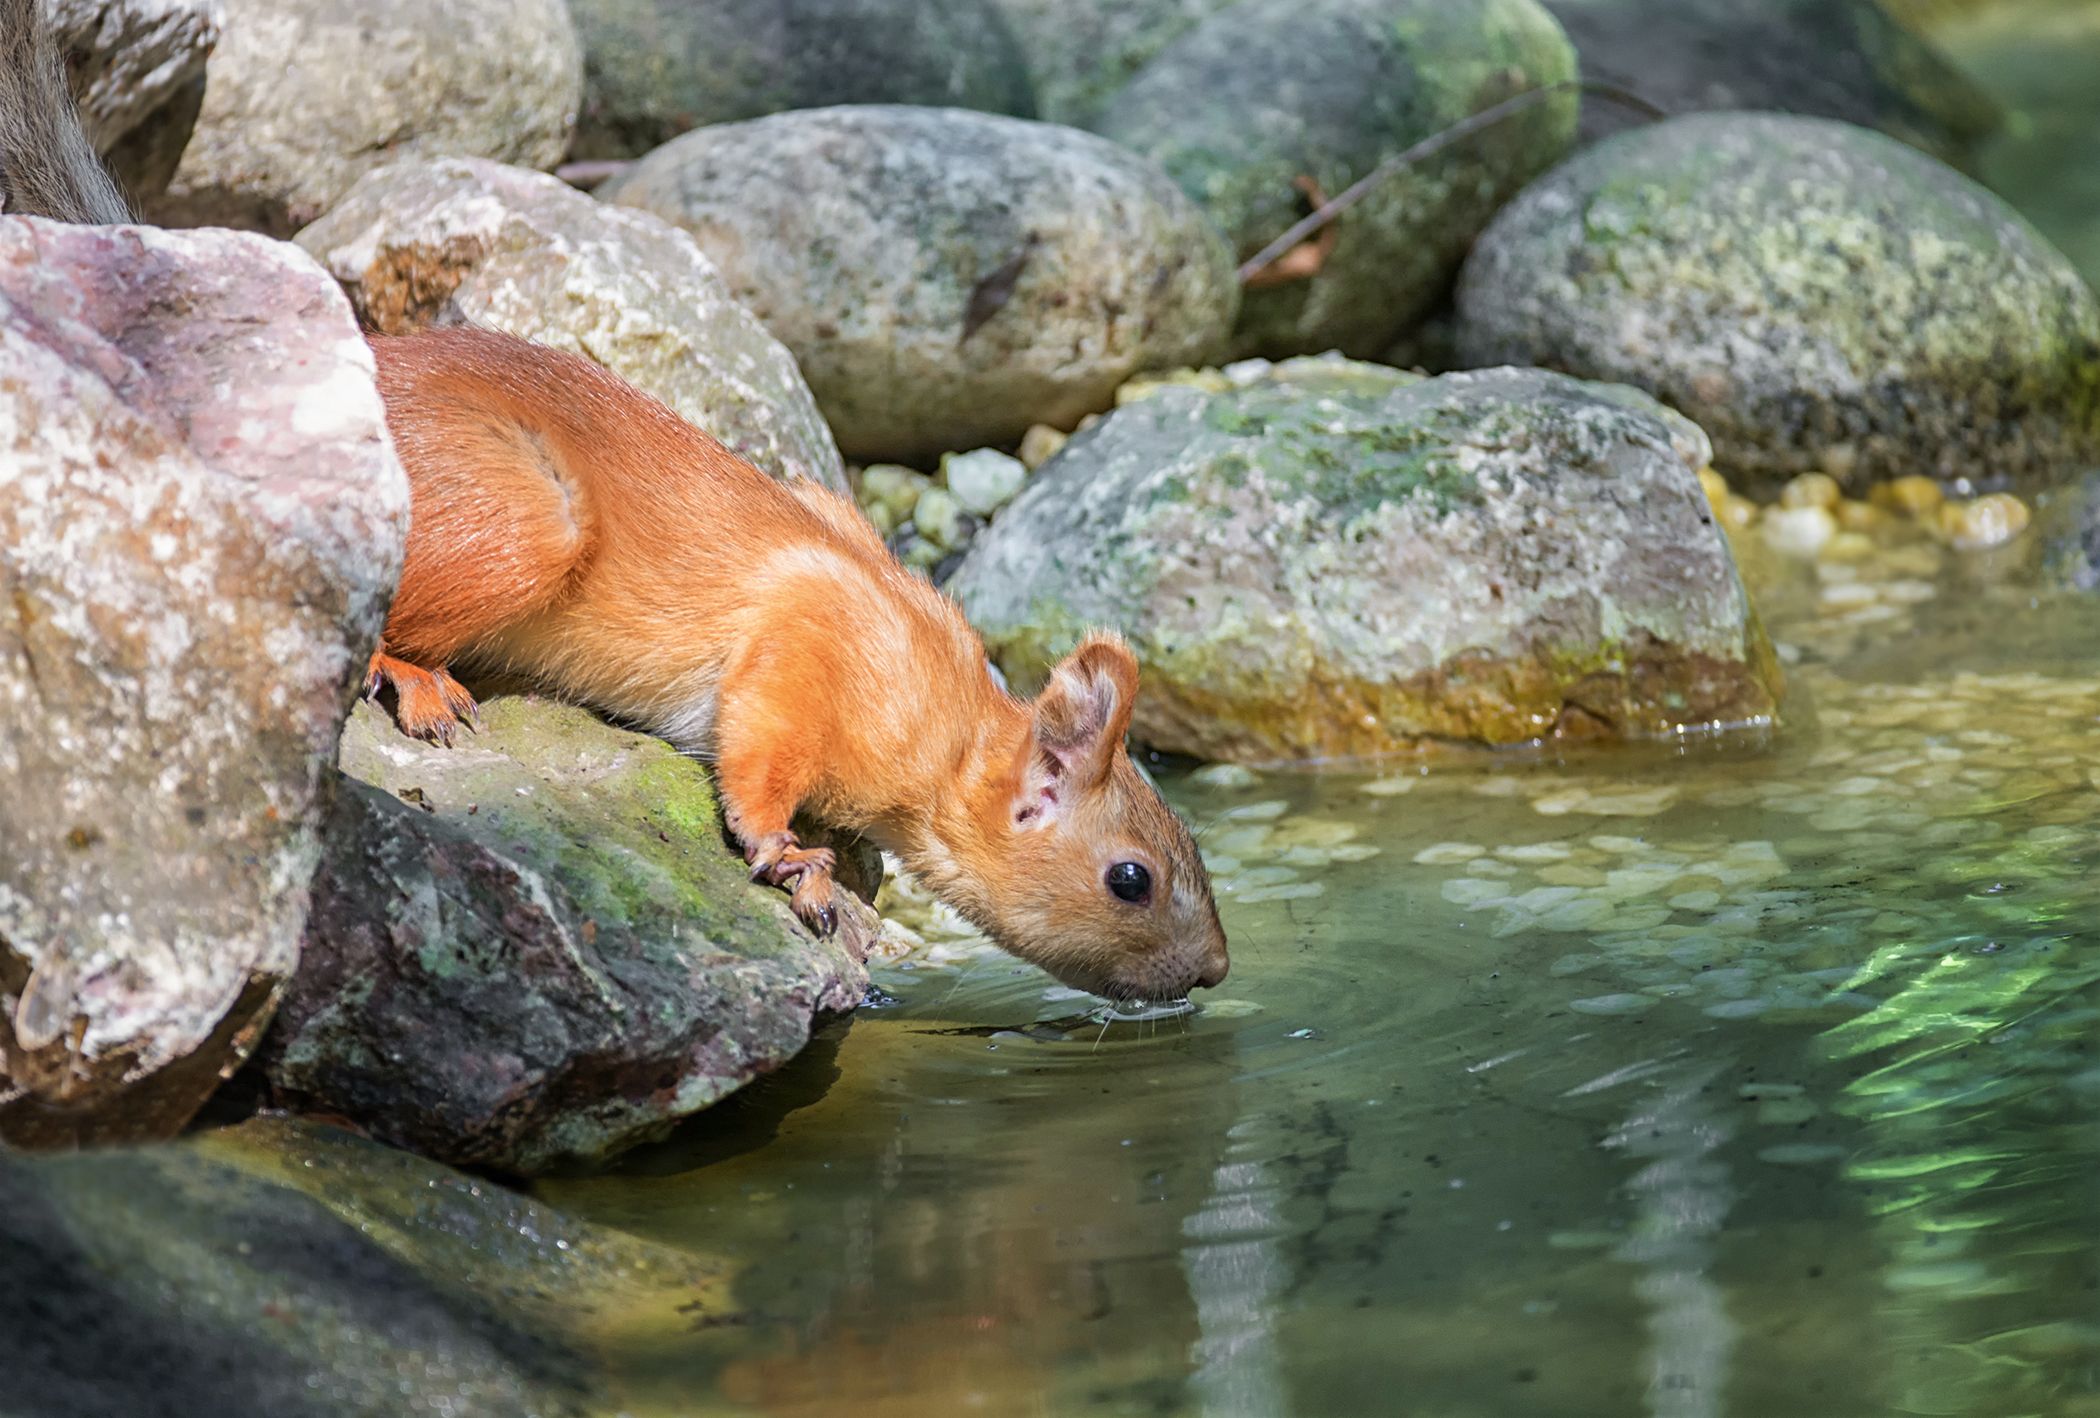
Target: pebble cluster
{"x":1814,"y":519}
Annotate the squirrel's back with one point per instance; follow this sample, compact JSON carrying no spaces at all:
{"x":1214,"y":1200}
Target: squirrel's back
{"x":47,"y":166}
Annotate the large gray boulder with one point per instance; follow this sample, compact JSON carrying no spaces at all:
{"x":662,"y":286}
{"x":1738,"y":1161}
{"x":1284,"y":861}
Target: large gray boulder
{"x":1269,"y":91}
{"x":306,"y":96}
{"x":201,"y":524}
{"x":450,"y":240}
{"x":656,"y":68}
{"x":537,"y":947}
{"x":1812,"y":294}
{"x":944,"y":278}
{"x":291,"y":1269}
{"x":137,"y":74}
{"x":1341,"y":561}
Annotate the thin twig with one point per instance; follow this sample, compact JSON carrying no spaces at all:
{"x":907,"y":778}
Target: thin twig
{"x":1458,"y":132}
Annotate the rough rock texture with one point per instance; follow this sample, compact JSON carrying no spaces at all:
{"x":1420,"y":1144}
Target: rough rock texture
{"x":1843,"y":59}
{"x":1080,"y":52}
{"x":945,"y":278}
{"x":127,"y":59}
{"x":539,"y":949}
{"x":288,"y":1269}
{"x":1812,"y":294}
{"x":201,"y":523}
{"x":656,"y":68}
{"x":441,"y":241}
{"x":305,"y":96}
{"x":1272,"y":90}
{"x":1348,"y":562}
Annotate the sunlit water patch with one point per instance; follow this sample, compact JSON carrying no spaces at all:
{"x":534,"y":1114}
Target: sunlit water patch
{"x":1735,"y":1079}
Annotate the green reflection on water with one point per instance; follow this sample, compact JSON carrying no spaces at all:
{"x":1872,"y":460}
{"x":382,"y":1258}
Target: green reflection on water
{"x":1735,"y":1079}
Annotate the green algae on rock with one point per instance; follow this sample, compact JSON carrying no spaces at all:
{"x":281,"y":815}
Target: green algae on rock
{"x":947,"y":279}
{"x":1272,"y":90}
{"x":1813,"y":294}
{"x":449,"y":240}
{"x":284,"y":1268}
{"x":538,"y":948}
{"x":1081,"y":52}
{"x":1845,"y":59}
{"x":654,"y":69}
{"x":1315,"y":566}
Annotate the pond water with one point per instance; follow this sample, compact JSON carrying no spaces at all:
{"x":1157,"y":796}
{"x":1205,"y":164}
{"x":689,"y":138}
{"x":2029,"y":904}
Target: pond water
{"x":1744,"y":1078}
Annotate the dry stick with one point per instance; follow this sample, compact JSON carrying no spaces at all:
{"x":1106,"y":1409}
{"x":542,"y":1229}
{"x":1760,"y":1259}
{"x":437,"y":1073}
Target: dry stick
{"x":1458,"y":132}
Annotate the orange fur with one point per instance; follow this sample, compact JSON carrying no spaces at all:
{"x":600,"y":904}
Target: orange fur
{"x":570,"y":529}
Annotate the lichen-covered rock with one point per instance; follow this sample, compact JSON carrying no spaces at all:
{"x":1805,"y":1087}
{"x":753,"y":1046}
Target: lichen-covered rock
{"x":305,"y":96}
{"x":286,"y":1268}
{"x":201,"y":524}
{"x":1269,"y":91}
{"x":1345,"y":562}
{"x":656,"y":68}
{"x":1845,"y":59}
{"x":1812,"y":294}
{"x":446,"y":240}
{"x":945,"y":278}
{"x":538,"y":948}
{"x":1080,"y":52}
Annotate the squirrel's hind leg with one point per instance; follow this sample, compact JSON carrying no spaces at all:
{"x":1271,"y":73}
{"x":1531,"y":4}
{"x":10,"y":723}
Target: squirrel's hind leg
{"x":428,"y":704}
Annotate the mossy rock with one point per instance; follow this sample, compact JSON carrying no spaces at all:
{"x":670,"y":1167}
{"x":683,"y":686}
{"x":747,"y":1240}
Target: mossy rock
{"x":654,"y":69}
{"x":1268,"y":91}
{"x":1811,"y":293}
{"x":285,"y":1268}
{"x":947,"y":279}
{"x":1334,"y":565}
{"x":1844,"y":59}
{"x":1082,"y":52}
{"x":538,"y":947}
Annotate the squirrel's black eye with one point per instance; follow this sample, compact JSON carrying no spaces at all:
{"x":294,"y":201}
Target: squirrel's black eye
{"x":1129,"y":881}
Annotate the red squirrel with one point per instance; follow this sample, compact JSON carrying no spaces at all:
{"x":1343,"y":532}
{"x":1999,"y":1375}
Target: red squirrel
{"x":568,"y":528}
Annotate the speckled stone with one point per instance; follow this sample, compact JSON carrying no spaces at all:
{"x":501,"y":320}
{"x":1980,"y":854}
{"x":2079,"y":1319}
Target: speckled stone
{"x":1339,"y":564}
{"x":538,"y":948}
{"x":1081,"y":52}
{"x":126,"y":58}
{"x":1845,"y":59}
{"x":286,"y":1268}
{"x":656,"y":68}
{"x":201,"y":524}
{"x":1269,"y":90}
{"x":305,"y":96}
{"x":944,"y":278}
{"x":440,"y":241}
{"x":1813,"y":294}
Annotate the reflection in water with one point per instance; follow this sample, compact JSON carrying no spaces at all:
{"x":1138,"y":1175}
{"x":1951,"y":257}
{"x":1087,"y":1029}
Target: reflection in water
{"x":1236,"y":1274}
{"x":1681,"y":1198}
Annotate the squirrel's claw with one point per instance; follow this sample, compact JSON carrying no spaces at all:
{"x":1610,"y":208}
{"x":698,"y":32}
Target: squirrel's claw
{"x":428,"y":704}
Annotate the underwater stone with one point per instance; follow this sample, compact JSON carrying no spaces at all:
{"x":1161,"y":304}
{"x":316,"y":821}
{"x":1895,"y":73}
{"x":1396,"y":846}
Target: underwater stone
{"x":1269,"y":91}
{"x":944,"y":278}
{"x":303,"y":97}
{"x":654,"y":69}
{"x":537,"y":948}
{"x":1315,"y":567}
{"x":201,"y":525}
{"x":450,"y":240}
{"x":1801,"y":289}
{"x":286,"y":1268}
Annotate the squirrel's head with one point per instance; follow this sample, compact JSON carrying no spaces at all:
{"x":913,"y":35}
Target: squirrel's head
{"x":1107,"y":890}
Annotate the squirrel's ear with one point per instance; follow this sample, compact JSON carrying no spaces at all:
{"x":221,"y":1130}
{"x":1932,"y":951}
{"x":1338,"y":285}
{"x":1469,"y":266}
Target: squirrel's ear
{"x":1080,"y":719}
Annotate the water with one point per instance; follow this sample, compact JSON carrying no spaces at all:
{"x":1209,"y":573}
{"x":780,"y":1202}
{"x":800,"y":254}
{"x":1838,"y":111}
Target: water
{"x":1742,"y":1078}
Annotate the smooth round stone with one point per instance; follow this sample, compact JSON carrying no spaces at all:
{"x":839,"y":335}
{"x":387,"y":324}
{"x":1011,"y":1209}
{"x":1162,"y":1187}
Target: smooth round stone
{"x":1799,"y":288}
{"x":984,"y":480}
{"x":947,"y":279}
{"x":1613,"y":1004}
